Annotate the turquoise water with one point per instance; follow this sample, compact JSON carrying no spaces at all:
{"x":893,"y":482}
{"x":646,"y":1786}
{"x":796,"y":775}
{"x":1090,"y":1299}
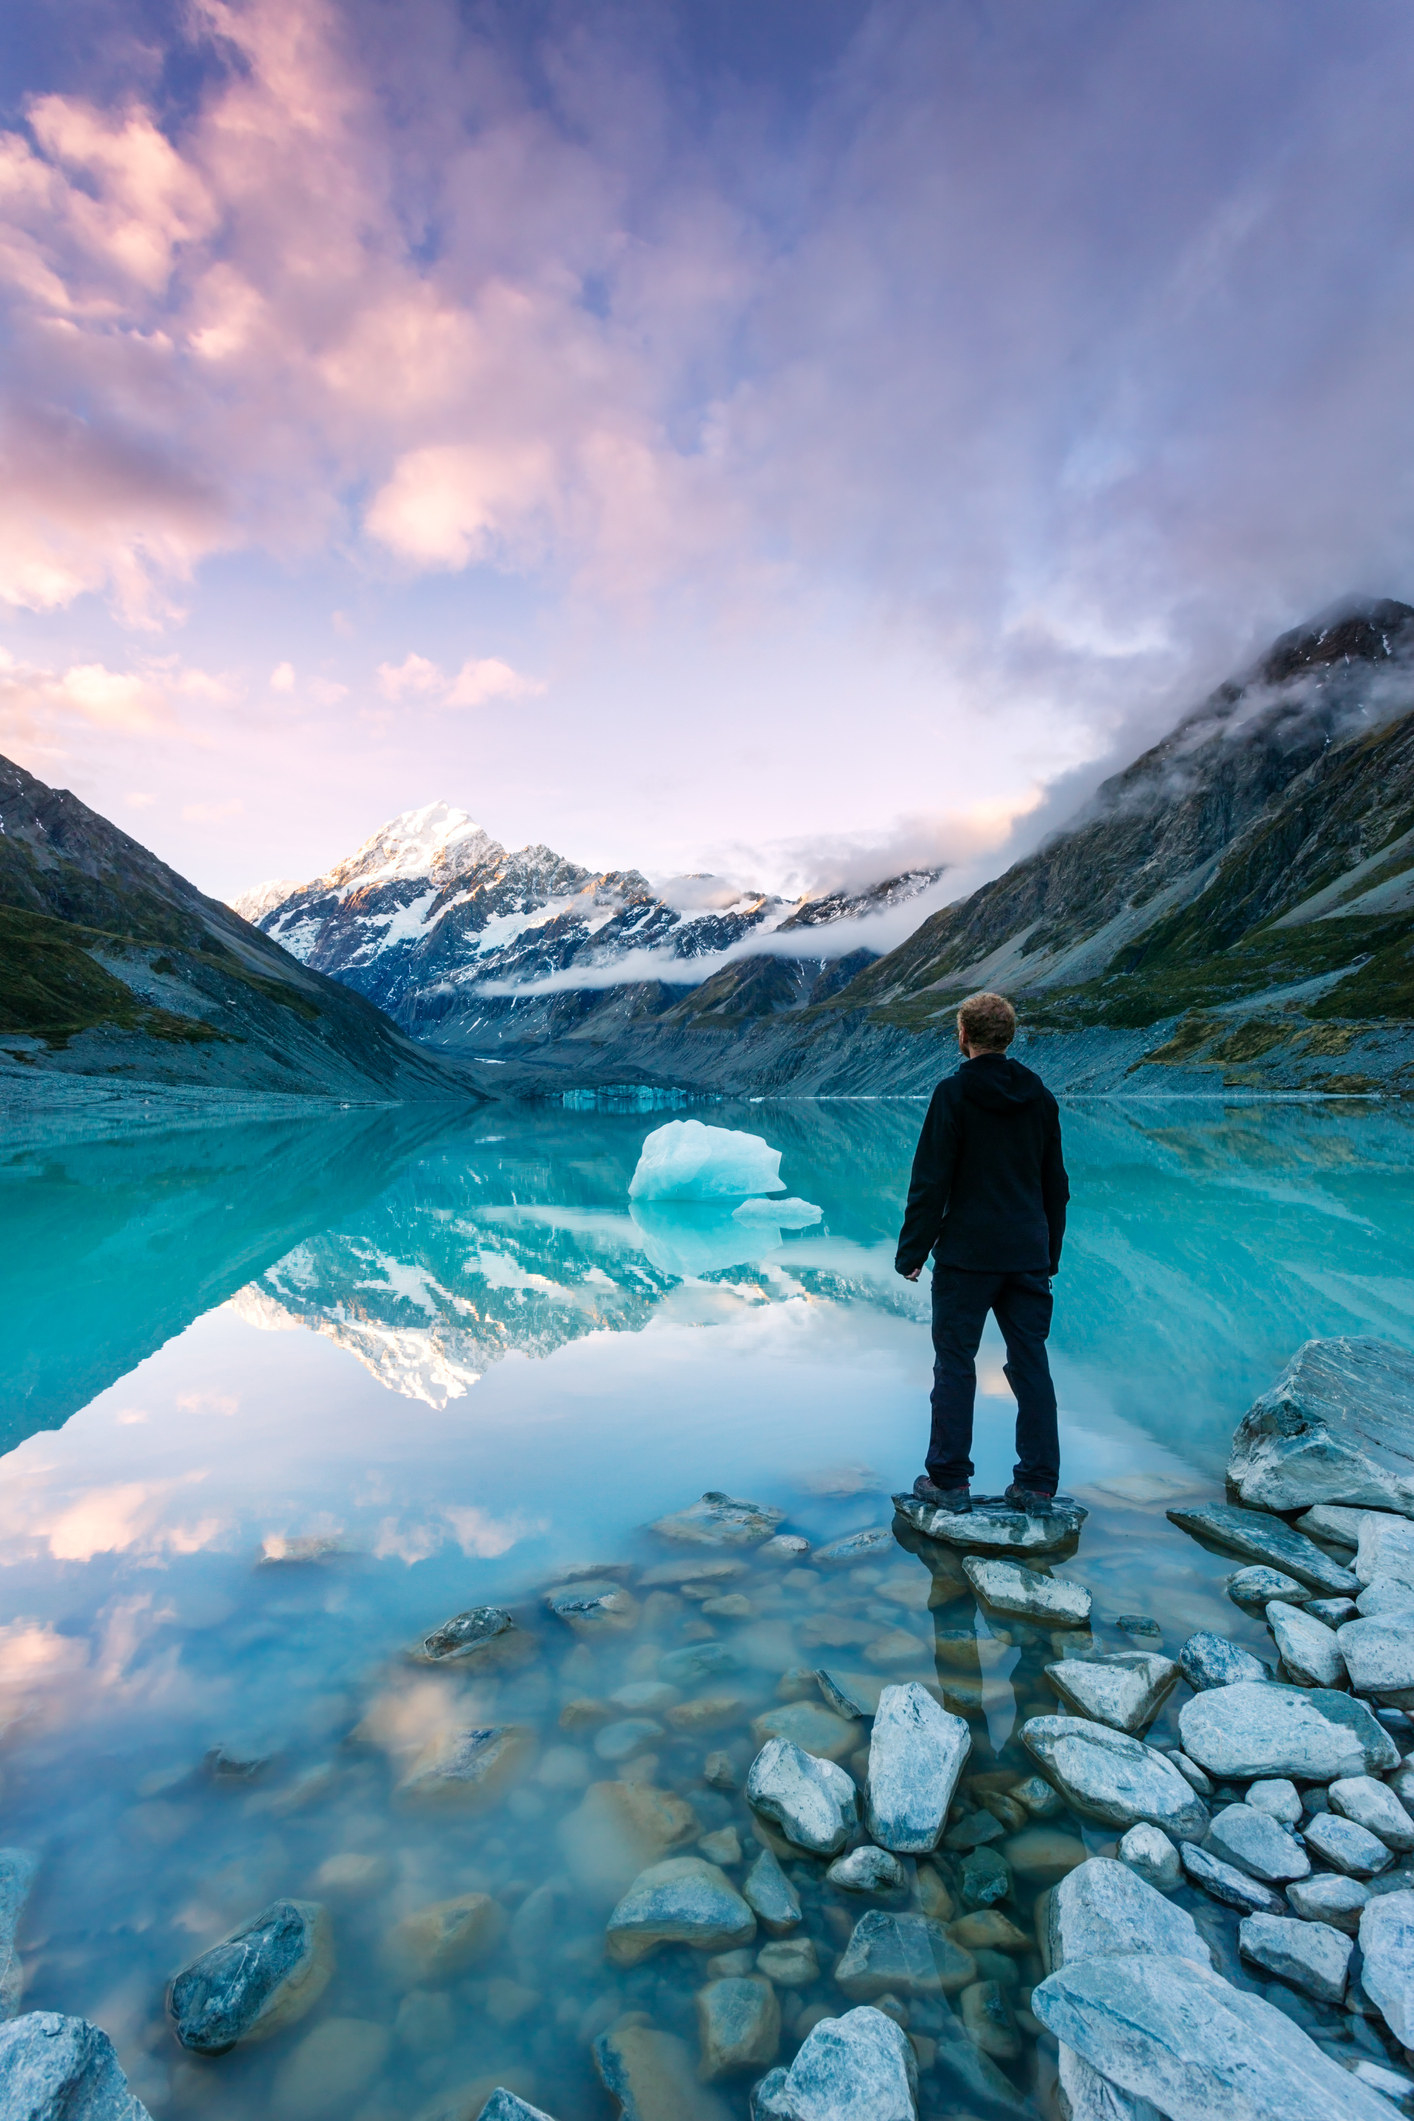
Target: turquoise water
{"x":444,"y":1362}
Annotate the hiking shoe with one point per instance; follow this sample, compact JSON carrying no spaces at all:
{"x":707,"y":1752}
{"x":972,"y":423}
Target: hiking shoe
{"x":958,"y":1500}
{"x":1036,"y":1502}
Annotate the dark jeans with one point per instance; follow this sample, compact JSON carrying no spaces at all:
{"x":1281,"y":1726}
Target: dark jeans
{"x":1021,"y":1304}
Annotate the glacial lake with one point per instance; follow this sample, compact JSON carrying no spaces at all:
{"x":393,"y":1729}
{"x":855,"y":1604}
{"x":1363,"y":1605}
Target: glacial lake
{"x":280,"y":1399}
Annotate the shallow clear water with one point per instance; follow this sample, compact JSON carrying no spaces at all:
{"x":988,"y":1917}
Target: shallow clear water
{"x":452,"y":1358}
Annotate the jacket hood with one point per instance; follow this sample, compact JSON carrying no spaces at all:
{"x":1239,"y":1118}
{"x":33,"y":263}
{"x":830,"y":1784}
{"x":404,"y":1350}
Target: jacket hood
{"x":998,"y":1084}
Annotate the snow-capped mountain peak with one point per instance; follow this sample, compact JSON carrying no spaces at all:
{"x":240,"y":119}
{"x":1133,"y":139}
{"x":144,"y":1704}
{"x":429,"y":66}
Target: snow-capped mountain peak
{"x":436,"y":841}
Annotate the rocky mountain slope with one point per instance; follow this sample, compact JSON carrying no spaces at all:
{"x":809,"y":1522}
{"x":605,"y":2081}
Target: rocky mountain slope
{"x":111,"y":964}
{"x":478,"y":949}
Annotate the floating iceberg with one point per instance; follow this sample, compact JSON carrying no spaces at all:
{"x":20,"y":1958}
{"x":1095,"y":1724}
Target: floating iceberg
{"x":686,"y":1161}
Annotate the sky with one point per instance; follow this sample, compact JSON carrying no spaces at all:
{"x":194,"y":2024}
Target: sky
{"x":792,"y":438}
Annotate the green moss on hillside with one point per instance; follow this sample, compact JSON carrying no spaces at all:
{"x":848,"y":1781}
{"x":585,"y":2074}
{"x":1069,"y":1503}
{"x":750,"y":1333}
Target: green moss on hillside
{"x":51,"y":988}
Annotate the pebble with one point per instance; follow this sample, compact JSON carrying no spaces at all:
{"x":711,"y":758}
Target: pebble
{"x":352,"y":1875}
{"x":1324,"y":1897}
{"x":719,"y":1771}
{"x":698,"y":1661}
{"x":1209,"y":1660}
{"x":652,"y":2074}
{"x":985,"y":1878}
{"x":1104,"y":1908}
{"x":810,"y":1726}
{"x":916,"y":1753}
{"x":1278,"y":1798}
{"x":1234,"y":1888}
{"x":1245,"y":1731}
{"x":1005,"y":1587}
{"x":738,"y":2026}
{"x":1141,"y":1625}
{"x":1378,"y":1651}
{"x":260,"y":1978}
{"x":732,"y":1605}
{"x":860,"y":2067}
{"x":785,"y":1546}
{"x":719,"y":1520}
{"x":434,"y":1943}
{"x":1312,"y":1956}
{"x":1253,"y":1588}
{"x":812,"y":1801}
{"x":618,"y":1829}
{"x":1189,"y":1769}
{"x":1109,"y":1776}
{"x":1150,"y":1854}
{"x":857,"y":1546}
{"x":723,"y":1847}
{"x":1309,"y":1649}
{"x":1255,"y":1842}
{"x":771,"y":1896}
{"x":631,"y":1734}
{"x":1124,"y":1691}
{"x":683,"y":1900}
{"x":791,"y":1962}
{"x":484,"y":1637}
{"x":1375,"y":1806}
{"x":1347,"y":1847}
{"x":990,"y":2025}
{"x":695,"y":1568}
{"x":644,"y":1697}
{"x":707,"y":1712}
{"x":1038,"y":1796}
{"x":469,"y":1766}
{"x":1384,"y":1547}
{"x":54,"y":2068}
{"x":1334,"y":1611}
{"x":867,"y":1870}
{"x":903,"y":1955}
{"x":329,"y":2069}
{"x":1043,"y":1852}
{"x":1387,"y":1972}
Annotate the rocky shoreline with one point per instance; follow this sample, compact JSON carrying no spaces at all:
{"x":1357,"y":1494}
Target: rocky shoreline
{"x":1048,"y":1879}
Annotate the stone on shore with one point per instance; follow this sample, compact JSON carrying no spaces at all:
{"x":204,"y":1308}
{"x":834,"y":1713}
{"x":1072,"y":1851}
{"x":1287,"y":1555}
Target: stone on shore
{"x":684,"y":1900}
{"x":902,"y":1955}
{"x":1278,"y":1798}
{"x":1333,"y":1428}
{"x":1334,"y":1522}
{"x":1260,"y":1538}
{"x":1149,"y":1853}
{"x":1385,"y":1548}
{"x":916,"y":1754}
{"x":813,"y":1802}
{"x":1234,"y":1888}
{"x":1373,"y":1805}
{"x":1309,"y":1649}
{"x":1126,"y":1690}
{"x":54,"y":2068}
{"x":809,"y":1725}
{"x":868,"y":1870}
{"x":738,"y":2026}
{"x":1253,"y":1840}
{"x":1347,"y":1847}
{"x":470,"y":1766}
{"x":17,"y":1869}
{"x":1104,"y":1907}
{"x":770,"y":1895}
{"x":1166,"y":2030}
{"x":1241,"y":1732}
{"x":860,"y":2067}
{"x":992,"y":1528}
{"x":505,"y":2106}
{"x":484,"y":1638}
{"x":1207,"y":1660}
{"x":651,"y":2073}
{"x":720,"y":1521}
{"x":1379,"y":1655}
{"x":1312,"y":1956}
{"x":1088,"y":2096}
{"x":1253,"y":1588}
{"x":263,"y":1976}
{"x":1387,"y":1949}
{"x":1114,"y":1778}
{"x":1327,"y":1896}
{"x":1022,"y":1594}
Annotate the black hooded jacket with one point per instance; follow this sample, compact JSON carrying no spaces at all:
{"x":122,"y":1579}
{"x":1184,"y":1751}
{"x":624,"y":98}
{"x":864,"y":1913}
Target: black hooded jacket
{"x":989,"y":1187}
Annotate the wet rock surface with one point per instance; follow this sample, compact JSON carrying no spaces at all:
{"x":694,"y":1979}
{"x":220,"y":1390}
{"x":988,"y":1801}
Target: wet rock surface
{"x":1024,"y":1594}
{"x":1247,"y":1731}
{"x":812,"y":1801}
{"x":916,"y":1755}
{"x":1104,"y":1907}
{"x":54,"y":2068}
{"x":484,"y":1635}
{"x":993,"y":1528}
{"x":1263,"y":1538}
{"x":1334,"y":1428}
{"x":1124,"y":1691}
{"x":1114,"y":1778}
{"x":1312,"y":1956}
{"x":684,"y":1900}
{"x":263,"y":1976}
{"x":719,"y":1520}
{"x":1209,"y":1660}
{"x":859,"y":2067}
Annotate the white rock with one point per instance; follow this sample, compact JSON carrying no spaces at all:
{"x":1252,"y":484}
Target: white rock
{"x":1309,"y":1649}
{"x":1379,"y":1656}
{"x":718,"y":1520}
{"x":681,"y":1901}
{"x":1241,"y":1732}
{"x":1334,"y":1522}
{"x":62,"y":2069}
{"x":1024,"y":1594}
{"x":1091,"y":2097}
{"x":1166,"y":2030}
{"x":860,"y":2067}
{"x":866,"y":1870}
{"x":1385,"y":1548}
{"x":1253,"y":1588}
{"x":1124,"y":1691}
{"x":1278,"y":1798}
{"x":902,"y":1955}
{"x":1310,"y":1955}
{"x":1387,"y":1975}
{"x":685,"y":1160}
{"x":1373,"y":1805}
{"x":1389,"y":2081}
{"x":1259,"y":1537}
{"x":1384,"y":1594}
{"x":1346,"y":1846}
{"x":1150,"y":1854}
{"x":1225,"y":1882}
{"x":1333,"y":1428}
{"x":1114,"y":1778}
{"x":916,"y":1754}
{"x":1103,"y":1907}
{"x":1327,"y":1896}
{"x":1255,"y":1842}
{"x":812,"y":1801}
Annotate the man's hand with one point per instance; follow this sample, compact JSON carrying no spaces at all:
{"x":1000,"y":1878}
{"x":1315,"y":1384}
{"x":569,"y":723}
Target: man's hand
{"x":914,"y":1275}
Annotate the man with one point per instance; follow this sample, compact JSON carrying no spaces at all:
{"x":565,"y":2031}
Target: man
{"x":987,"y":1199}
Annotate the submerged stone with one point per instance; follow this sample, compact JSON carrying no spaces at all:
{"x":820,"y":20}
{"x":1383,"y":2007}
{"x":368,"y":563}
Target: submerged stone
{"x":651,"y":2074}
{"x":54,"y":2068}
{"x":771,"y":1896}
{"x":1263,"y":1538}
{"x":1109,"y":1776}
{"x":263,"y":1976}
{"x":484,"y":1636}
{"x":1225,"y":1882}
{"x":812,"y":1801}
{"x":469,"y":1766}
{"x":618,"y":1829}
{"x":1312,"y":1956}
{"x":505,"y":2106}
{"x":1257,"y":1844}
{"x":902,"y":1955}
{"x":594,"y":1608}
{"x":1253,"y":1588}
{"x":433,"y":1944}
{"x":984,"y":1878}
{"x":1240,"y":1732}
{"x":1125,"y":1691}
{"x":1387,"y":1950}
{"x":698,"y":1661}
{"x":866,"y":1870}
{"x":916,"y":1754}
{"x":857,"y":1546}
{"x":738,"y":2026}
{"x":720,"y":1520}
{"x":681,"y":1901}
{"x":1334,"y":1428}
{"x":1207,"y":1660}
{"x":851,"y":1694}
{"x":1167,"y":2030}
{"x":860,"y":2067}
{"x":1309,"y":1649}
{"x":809,"y":1725}
{"x":1104,"y":1907}
{"x":791,"y":1962}
{"x":992,"y":1528}
{"x":1008,"y":1588}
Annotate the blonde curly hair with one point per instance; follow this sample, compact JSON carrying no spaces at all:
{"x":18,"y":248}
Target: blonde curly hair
{"x":988,"y":1021}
